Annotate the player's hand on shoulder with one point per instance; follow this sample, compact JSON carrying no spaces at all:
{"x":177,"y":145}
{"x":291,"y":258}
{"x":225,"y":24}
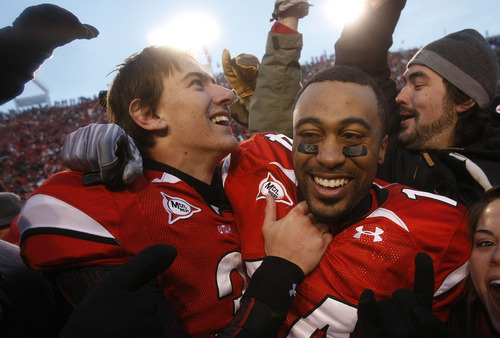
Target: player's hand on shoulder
{"x":105,"y":153}
{"x":297,"y":237}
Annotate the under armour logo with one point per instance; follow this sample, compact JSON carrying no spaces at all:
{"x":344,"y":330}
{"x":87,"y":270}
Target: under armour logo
{"x":293,"y":292}
{"x":376,"y":234}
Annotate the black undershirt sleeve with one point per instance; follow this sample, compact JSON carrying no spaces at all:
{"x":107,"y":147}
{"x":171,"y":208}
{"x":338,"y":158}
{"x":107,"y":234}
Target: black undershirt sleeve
{"x":265,"y":304}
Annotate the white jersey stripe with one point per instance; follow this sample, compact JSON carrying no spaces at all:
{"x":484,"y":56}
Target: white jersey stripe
{"x":453,"y":279}
{"x":44,"y":211}
{"x":386,"y":213}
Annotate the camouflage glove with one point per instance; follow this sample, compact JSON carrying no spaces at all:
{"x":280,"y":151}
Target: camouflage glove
{"x":105,"y":153}
{"x":297,"y":8}
{"x":408,"y":313}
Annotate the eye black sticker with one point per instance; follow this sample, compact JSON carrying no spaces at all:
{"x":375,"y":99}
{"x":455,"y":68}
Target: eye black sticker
{"x":355,"y":151}
{"x":307,"y":148}
{"x":313,"y":149}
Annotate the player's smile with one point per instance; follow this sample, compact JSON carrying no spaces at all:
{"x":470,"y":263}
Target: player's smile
{"x":337,"y":147}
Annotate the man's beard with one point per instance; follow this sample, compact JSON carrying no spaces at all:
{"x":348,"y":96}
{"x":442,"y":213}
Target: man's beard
{"x":422,"y":134}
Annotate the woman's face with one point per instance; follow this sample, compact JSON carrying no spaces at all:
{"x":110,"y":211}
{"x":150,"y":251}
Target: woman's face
{"x":485,"y":261}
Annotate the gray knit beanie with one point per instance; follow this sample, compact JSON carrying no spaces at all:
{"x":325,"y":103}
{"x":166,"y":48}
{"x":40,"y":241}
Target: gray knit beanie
{"x":10,"y":206}
{"x":466,"y":60}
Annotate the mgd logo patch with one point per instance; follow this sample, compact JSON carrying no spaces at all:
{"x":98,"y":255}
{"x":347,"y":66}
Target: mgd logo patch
{"x":271,"y":186}
{"x":178,"y":208}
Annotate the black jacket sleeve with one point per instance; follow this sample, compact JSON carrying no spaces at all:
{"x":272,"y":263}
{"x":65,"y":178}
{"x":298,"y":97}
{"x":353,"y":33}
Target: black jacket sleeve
{"x":366,"y":45}
{"x":265,"y":304}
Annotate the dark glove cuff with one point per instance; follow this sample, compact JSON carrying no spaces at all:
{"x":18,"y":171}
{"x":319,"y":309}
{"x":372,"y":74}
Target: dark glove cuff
{"x":274,"y":283}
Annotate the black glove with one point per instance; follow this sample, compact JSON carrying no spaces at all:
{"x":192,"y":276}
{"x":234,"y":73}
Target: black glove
{"x":31,"y":40}
{"x":105,"y":153}
{"x":49,"y":26}
{"x":129,"y":302}
{"x":407,"y":313}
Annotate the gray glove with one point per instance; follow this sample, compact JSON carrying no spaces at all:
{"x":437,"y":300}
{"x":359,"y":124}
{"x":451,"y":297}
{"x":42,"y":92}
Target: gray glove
{"x":105,"y":153}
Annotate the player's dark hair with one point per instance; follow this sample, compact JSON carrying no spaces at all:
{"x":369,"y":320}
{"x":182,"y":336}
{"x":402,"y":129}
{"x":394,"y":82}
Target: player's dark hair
{"x":473,"y":124}
{"x":476,"y":211}
{"x":141,"y":77}
{"x":349,"y":74}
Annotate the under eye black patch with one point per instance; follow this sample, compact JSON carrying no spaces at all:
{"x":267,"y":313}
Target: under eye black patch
{"x":307,"y":148}
{"x":355,"y":151}
{"x":313,"y":149}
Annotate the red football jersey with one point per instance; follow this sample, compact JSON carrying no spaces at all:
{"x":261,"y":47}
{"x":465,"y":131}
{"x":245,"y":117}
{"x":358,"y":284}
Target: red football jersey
{"x":66,"y":225}
{"x":377,"y":252}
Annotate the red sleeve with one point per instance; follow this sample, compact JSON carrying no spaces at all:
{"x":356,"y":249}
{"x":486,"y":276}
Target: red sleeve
{"x":63,"y":216}
{"x":282,"y":29}
{"x":261,"y":166}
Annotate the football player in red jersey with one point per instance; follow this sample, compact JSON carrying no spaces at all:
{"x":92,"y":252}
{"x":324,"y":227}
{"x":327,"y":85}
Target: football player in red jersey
{"x":77,"y":232}
{"x":378,"y":227}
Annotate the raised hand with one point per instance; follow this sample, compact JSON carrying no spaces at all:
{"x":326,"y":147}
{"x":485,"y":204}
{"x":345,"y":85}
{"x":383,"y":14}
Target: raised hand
{"x":408,"y":313}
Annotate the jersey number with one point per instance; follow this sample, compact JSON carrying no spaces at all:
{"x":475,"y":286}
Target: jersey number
{"x":285,"y":141}
{"x":228,"y":263}
{"x":413,"y":195}
{"x":335,"y":318}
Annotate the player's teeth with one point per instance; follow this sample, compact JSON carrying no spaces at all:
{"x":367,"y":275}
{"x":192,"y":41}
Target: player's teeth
{"x":330,"y":183}
{"x":218,"y":119}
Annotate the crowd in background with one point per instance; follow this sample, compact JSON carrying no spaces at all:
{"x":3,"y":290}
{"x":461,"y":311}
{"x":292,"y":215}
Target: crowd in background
{"x":30,"y":141}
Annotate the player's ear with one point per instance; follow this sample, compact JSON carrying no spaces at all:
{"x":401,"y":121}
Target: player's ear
{"x":144,"y":117}
{"x":460,"y":108}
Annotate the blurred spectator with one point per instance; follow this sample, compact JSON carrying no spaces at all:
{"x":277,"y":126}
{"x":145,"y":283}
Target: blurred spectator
{"x":10,"y":206}
{"x":30,"y":142}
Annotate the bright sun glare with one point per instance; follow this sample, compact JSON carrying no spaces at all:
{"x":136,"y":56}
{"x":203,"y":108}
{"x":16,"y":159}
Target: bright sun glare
{"x":184,"y":32}
{"x":340,"y":12}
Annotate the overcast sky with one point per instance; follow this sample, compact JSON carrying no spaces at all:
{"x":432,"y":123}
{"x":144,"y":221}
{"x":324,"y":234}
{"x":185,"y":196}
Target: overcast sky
{"x":81,"y":67}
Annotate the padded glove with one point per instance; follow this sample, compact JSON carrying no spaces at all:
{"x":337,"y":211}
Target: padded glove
{"x":105,"y":153}
{"x":241,"y":72}
{"x":407,"y":313}
{"x":31,"y":40}
{"x":129,"y":302}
